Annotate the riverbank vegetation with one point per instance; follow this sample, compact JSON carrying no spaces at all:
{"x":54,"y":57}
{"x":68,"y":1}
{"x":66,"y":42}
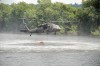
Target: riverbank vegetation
{"x":81,"y":20}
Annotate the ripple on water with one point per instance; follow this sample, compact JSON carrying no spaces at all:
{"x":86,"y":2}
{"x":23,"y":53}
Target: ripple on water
{"x":30,"y":45}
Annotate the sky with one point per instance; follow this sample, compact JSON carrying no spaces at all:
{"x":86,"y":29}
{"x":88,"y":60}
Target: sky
{"x":35,"y":1}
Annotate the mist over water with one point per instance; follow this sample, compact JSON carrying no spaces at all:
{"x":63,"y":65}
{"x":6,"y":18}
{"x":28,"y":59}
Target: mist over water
{"x":48,"y":50}
{"x":41,"y":42}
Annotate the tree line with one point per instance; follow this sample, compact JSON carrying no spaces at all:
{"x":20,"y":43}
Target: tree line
{"x":83,"y":20}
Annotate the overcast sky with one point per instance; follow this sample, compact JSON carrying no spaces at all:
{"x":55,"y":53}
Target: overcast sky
{"x":35,"y":1}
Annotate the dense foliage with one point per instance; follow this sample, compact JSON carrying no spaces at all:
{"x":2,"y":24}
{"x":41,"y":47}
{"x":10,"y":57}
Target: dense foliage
{"x":78,"y":20}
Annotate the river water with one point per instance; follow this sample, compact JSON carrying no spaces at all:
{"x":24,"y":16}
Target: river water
{"x":48,"y":50}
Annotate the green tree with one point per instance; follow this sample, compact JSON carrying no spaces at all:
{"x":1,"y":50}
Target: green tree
{"x":85,"y":22}
{"x":5,"y":11}
{"x":94,"y":5}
